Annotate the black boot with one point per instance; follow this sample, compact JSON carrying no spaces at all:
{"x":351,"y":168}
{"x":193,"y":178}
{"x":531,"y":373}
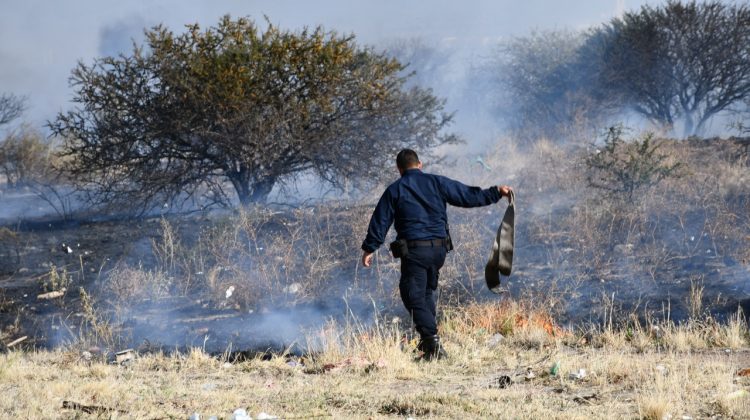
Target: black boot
{"x":431,"y":348}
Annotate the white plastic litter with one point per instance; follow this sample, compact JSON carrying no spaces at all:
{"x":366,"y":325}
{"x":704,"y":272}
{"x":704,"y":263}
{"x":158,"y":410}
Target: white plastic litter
{"x":229,"y":292}
{"x":265,"y":416}
{"x":195,"y":416}
{"x":578,"y":375}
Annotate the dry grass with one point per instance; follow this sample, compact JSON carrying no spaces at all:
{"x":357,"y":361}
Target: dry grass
{"x":372,"y":373}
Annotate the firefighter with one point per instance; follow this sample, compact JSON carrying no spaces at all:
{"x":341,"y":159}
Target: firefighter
{"x":416,"y":205}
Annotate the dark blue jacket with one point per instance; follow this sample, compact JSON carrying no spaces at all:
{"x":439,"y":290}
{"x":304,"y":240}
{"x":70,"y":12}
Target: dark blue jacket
{"x":417,"y":203}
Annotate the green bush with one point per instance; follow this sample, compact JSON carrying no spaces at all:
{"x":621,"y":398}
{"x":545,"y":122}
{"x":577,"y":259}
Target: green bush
{"x":622,"y":168}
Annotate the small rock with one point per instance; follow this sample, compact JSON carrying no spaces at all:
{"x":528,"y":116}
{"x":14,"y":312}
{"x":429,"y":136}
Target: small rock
{"x":661,"y":369}
{"x":501,"y":382}
{"x":265,"y":416}
{"x":240,"y":414}
{"x":195,"y":416}
{"x":208,"y":387}
{"x":737,"y":394}
{"x":125,"y":357}
{"x":87,"y":356}
{"x":586,"y":399}
{"x":52,"y":295}
{"x":226,"y":365}
{"x":657,"y":332}
{"x":293,"y":288}
{"x":495,"y":340}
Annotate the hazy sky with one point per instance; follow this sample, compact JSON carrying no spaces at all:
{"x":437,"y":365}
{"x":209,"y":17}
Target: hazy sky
{"x":41,"y":41}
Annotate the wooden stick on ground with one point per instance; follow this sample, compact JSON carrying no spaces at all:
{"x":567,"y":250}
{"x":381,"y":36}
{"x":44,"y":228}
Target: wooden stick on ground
{"x":16,"y":341}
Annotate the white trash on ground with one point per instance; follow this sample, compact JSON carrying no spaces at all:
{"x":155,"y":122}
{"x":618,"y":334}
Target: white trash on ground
{"x":580,"y":374}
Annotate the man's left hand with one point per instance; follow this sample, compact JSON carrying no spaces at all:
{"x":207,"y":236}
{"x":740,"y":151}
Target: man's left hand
{"x":366,"y":258}
{"x":505,"y":191}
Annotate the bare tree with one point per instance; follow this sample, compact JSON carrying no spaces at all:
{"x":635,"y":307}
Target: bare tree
{"x":542,"y":88}
{"x":678,"y":62}
{"x":11,"y":107}
{"x":235,"y":104}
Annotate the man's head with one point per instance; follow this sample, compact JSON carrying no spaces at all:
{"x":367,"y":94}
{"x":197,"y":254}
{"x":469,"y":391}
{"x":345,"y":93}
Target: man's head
{"x":407,"y":159}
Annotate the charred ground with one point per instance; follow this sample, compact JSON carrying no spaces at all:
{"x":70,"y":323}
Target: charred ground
{"x":263,"y":277}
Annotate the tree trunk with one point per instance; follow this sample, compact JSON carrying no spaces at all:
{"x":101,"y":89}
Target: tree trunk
{"x":249,"y":192}
{"x":261,"y":189}
{"x":688,"y":131}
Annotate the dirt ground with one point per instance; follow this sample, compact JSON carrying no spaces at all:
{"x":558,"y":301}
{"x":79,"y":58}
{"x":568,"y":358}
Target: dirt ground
{"x":508,"y":379}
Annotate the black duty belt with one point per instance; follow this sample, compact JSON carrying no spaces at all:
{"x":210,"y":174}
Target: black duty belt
{"x":427,"y":243}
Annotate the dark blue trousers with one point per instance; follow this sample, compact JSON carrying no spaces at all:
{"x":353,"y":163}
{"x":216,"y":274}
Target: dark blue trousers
{"x":419,"y":279}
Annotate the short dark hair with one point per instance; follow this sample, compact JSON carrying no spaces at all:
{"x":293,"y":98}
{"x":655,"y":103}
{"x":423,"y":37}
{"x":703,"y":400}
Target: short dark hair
{"x":406,"y":159}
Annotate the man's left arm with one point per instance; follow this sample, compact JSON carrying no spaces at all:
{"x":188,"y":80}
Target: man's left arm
{"x":461,"y":195}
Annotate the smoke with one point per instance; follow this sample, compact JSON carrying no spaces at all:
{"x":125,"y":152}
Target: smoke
{"x":118,"y":37}
{"x":294,"y":329}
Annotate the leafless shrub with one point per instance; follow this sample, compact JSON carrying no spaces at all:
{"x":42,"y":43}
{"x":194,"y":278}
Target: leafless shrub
{"x":130,"y":285}
{"x":11,"y":107}
{"x":95,"y":327}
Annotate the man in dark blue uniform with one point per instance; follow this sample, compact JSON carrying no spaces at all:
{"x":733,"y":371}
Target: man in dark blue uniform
{"x":416,"y":205}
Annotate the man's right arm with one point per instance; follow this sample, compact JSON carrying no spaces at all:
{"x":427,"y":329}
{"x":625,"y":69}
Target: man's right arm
{"x":380,"y":222}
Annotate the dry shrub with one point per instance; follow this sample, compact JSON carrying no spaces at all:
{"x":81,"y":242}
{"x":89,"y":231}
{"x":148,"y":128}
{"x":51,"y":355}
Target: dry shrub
{"x":270,"y":256}
{"x":683,"y":337}
{"x":130,"y":285}
{"x":25,"y":157}
{"x":654,"y":407}
{"x":508,"y":318}
{"x":735,"y":404}
{"x":734,"y":334}
{"x":10,"y":257}
{"x":95,"y":328}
